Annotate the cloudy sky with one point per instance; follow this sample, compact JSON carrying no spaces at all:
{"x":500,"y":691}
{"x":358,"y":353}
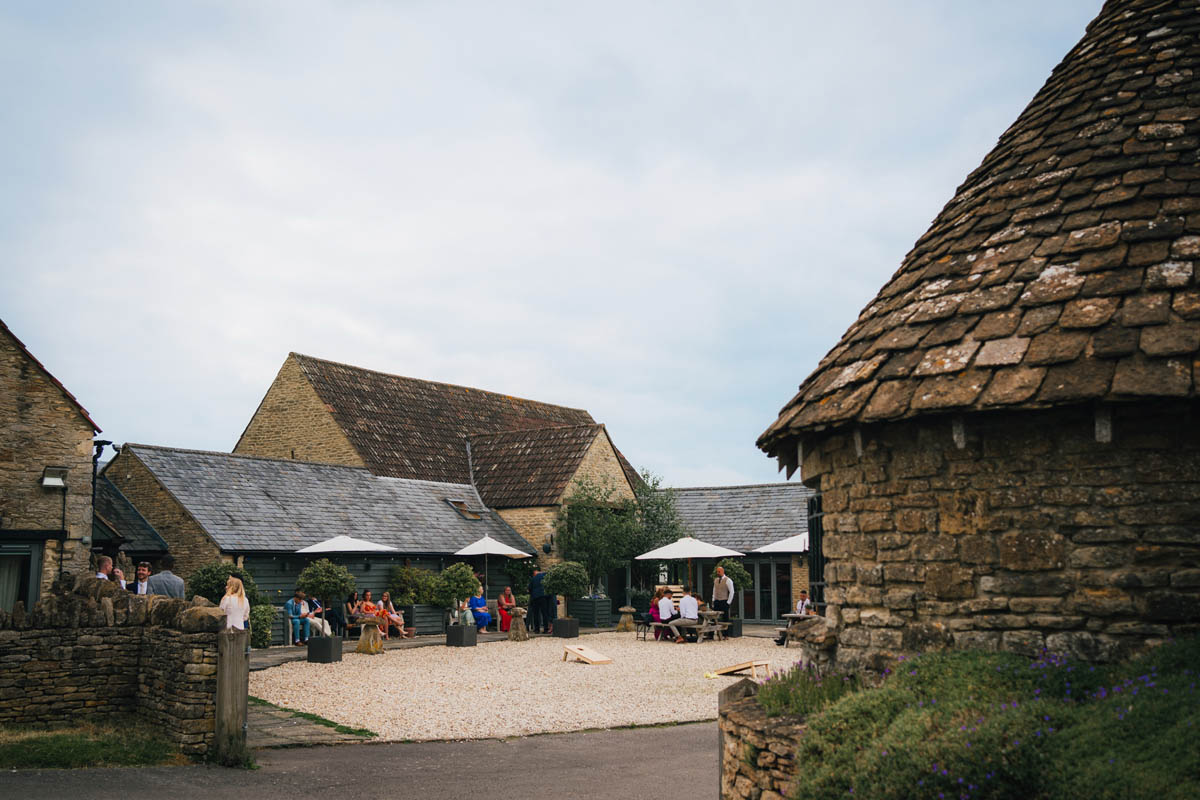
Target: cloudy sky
{"x":664,"y":213}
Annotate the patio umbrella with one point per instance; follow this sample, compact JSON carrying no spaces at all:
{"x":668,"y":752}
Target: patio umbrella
{"x":345,"y":544}
{"x":792,"y":544}
{"x":689,"y":548}
{"x":489,"y":546}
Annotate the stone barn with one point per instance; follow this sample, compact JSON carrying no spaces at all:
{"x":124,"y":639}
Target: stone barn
{"x":1006,"y":443}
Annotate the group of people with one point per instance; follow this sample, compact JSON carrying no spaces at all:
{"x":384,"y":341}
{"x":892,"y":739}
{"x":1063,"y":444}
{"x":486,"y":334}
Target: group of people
{"x":662,"y":607}
{"x":541,"y":604}
{"x":385,"y":611}
{"x":163,"y":582}
{"x":476,"y":605}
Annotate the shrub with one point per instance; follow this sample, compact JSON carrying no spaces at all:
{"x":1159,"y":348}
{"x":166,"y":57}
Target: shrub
{"x":522,"y":600}
{"x":456,"y":583}
{"x":640,"y":598}
{"x":209,"y":582}
{"x":737,"y":573}
{"x":326,"y":581}
{"x":800,"y":691}
{"x":262,"y":618}
{"x":567,"y":578}
{"x":519,"y":571}
{"x":410,"y":585}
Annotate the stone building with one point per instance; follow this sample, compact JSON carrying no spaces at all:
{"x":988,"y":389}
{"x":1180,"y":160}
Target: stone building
{"x":1005,"y":443}
{"x":521,"y":455}
{"x":45,"y":519}
{"x":745,"y":518}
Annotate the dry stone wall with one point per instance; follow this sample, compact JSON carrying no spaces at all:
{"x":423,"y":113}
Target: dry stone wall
{"x":1031,"y":534}
{"x":758,"y":757}
{"x":100,"y":651}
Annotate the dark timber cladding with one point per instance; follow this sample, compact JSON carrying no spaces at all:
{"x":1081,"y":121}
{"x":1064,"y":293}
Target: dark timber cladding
{"x":1005,"y":442}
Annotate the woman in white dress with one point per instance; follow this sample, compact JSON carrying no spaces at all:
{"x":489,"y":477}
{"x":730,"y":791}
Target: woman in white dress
{"x":235,"y":605}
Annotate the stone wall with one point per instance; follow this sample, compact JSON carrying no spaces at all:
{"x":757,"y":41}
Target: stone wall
{"x":43,"y":428}
{"x":758,"y":757}
{"x":99,"y":651}
{"x":601,"y":466}
{"x":292,"y":422}
{"x":1030,"y":534}
{"x":189,"y":544}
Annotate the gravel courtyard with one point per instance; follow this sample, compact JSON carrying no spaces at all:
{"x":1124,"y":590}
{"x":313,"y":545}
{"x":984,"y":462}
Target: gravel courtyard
{"x":507,"y":688}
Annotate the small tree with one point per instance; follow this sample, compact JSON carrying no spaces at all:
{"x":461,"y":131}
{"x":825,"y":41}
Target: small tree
{"x":410,"y":585}
{"x":658,"y":523}
{"x":567,"y":578}
{"x":594,"y":529}
{"x":209,"y":582}
{"x":456,"y":583}
{"x":519,"y":571}
{"x":736,"y":572}
{"x":324,"y":579}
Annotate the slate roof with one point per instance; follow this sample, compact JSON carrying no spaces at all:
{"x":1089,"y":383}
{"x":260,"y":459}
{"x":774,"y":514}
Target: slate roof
{"x":412,"y":428}
{"x":115,"y":511}
{"x":744,"y":517}
{"x":249,"y":503}
{"x":529,"y":468}
{"x":1064,"y":269}
{"x":70,"y":397}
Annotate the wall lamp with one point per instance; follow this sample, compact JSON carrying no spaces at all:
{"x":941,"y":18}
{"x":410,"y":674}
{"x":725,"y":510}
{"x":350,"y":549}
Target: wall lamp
{"x":54,"y":478}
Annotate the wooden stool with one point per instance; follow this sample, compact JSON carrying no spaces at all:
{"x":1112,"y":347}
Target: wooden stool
{"x":517,"y":632}
{"x":626,"y":621}
{"x":369,"y":641}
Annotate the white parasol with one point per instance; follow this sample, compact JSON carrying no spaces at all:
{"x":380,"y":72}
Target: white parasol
{"x":488,"y":546}
{"x":345,"y":544}
{"x":792,"y":544}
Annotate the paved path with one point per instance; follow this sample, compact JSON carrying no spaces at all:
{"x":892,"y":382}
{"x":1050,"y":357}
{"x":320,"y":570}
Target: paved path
{"x":269,"y":726}
{"x":599,"y":765}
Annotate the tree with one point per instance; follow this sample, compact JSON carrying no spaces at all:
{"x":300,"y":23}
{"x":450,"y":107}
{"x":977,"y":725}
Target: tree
{"x":324,"y":579}
{"x":594,"y":529}
{"x":568,"y":578}
{"x":410,"y":585}
{"x":658,"y":523}
{"x":209,"y":582}
{"x":736,"y":572}
{"x":519,"y":571}
{"x":456,"y":583}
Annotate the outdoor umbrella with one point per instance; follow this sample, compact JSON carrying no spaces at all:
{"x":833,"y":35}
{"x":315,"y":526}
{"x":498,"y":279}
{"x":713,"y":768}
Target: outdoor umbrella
{"x":345,"y":544}
{"x":489,"y":546}
{"x":688,"y":548}
{"x":792,"y":544}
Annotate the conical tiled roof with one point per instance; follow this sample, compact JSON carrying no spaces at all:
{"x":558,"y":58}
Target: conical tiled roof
{"x":1064,"y":269}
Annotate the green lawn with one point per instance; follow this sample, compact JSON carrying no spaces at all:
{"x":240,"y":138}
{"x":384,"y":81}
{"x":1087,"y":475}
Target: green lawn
{"x":116,"y":744}
{"x":977,"y":725}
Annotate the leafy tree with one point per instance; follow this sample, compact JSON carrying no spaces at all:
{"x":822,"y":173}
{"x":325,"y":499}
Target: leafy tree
{"x":519,"y":571}
{"x":456,"y":583}
{"x":568,"y":578}
{"x":594,"y":529}
{"x":410,"y":585}
{"x":658,"y":523}
{"x":325,"y":580}
{"x":737,"y":573}
{"x":209,"y":582}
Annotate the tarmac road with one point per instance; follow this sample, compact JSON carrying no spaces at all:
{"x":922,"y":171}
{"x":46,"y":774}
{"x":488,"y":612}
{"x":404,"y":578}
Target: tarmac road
{"x":628,"y":764}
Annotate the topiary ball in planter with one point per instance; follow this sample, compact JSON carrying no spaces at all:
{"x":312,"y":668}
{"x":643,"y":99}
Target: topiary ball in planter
{"x":566,"y":628}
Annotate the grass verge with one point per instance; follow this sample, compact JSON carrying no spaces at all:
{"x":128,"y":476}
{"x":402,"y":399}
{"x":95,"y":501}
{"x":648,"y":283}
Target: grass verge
{"x":115,"y":744}
{"x":985,"y":725}
{"x":328,"y":723}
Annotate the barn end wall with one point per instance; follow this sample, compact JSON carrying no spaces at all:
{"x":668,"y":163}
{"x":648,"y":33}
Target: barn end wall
{"x":1031,"y":534}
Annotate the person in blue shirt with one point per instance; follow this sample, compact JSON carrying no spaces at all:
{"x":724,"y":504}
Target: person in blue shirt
{"x":297,"y":615}
{"x":478,"y":606}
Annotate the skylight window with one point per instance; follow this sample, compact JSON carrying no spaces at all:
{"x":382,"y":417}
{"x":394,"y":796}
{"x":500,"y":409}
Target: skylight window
{"x":465,"y":511}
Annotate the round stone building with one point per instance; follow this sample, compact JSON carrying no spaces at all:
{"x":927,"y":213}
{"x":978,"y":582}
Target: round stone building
{"x":1006,"y":443}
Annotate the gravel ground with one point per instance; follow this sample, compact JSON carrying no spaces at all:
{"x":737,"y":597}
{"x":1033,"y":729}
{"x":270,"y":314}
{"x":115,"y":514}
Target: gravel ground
{"x":514,"y":688}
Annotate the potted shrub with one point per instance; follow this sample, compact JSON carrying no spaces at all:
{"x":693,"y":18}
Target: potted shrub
{"x":569,"y":579}
{"x":412,"y":590}
{"x":327,"y":582}
{"x":741,"y":582}
{"x":456,"y":583}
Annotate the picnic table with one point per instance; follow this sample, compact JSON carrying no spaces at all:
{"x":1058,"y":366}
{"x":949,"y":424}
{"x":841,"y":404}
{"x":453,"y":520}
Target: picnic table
{"x":711,"y":624}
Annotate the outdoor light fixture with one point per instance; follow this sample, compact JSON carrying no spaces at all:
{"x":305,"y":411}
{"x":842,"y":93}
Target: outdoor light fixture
{"x":54,"y":478}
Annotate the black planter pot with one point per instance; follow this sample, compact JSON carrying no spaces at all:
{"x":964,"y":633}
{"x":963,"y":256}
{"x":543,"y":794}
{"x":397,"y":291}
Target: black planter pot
{"x":325,"y":649}
{"x":566,"y":628}
{"x":460,"y":636}
{"x":735,"y":628}
{"x":591,"y":612}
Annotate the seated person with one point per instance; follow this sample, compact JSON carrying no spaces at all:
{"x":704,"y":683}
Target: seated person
{"x":391,"y":616}
{"x":478,"y":606}
{"x":666,"y":609}
{"x":654,"y":614}
{"x":505,"y":603}
{"x":803,"y":606}
{"x":689,"y":615}
{"x":312,"y":610}
{"x":298,"y":618}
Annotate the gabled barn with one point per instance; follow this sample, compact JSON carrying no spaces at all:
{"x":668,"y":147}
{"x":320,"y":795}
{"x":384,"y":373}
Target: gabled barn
{"x":1006,"y":442}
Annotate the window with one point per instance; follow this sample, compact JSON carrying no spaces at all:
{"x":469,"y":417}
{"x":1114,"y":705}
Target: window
{"x":816,"y":555}
{"x":465,"y":511}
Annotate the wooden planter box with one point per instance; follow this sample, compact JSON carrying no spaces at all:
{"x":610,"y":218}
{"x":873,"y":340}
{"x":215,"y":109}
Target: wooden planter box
{"x":591,"y":613}
{"x":426,"y":619}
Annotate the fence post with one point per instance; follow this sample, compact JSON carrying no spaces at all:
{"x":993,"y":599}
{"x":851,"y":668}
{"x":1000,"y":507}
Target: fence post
{"x":233,"y":689}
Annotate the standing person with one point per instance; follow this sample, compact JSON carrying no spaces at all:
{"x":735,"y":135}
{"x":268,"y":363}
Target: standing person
{"x":722,"y":595}
{"x":538,"y":618}
{"x":505,"y":603}
{"x":689,"y":615}
{"x":164,"y":581}
{"x":297,"y":616}
{"x":106,"y":572}
{"x":143,"y":575}
{"x":235,"y":605}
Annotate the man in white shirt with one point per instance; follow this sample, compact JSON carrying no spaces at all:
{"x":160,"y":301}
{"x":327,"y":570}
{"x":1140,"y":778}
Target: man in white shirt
{"x":143,"y":574}
{"x":689,"y":614}
{"x":722,"y":596}
{"x":666,"y":608}
{"x":106,"y":572}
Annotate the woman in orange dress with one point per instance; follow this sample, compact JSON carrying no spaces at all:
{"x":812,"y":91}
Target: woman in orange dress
{"x":368,"y":608}
{"x":505,"y":603}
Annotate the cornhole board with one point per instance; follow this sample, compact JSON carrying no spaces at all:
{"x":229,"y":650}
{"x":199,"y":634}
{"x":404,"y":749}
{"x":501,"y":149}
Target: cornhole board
{"x":585,"y":654}
{"x":745,"y":665}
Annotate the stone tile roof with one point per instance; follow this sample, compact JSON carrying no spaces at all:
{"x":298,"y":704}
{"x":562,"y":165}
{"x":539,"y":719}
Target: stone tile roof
{"x":1064,"y":269}
{"x":248,"y":504}
{"x":70,"y":397}
{"x":115,"y":511}
{"x":744,"y":517}
{"x":529,"y":468}
{"x":412,"y":428}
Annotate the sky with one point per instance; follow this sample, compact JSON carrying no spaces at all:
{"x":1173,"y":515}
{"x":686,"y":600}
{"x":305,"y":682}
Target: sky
{"x":665,"y":213}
